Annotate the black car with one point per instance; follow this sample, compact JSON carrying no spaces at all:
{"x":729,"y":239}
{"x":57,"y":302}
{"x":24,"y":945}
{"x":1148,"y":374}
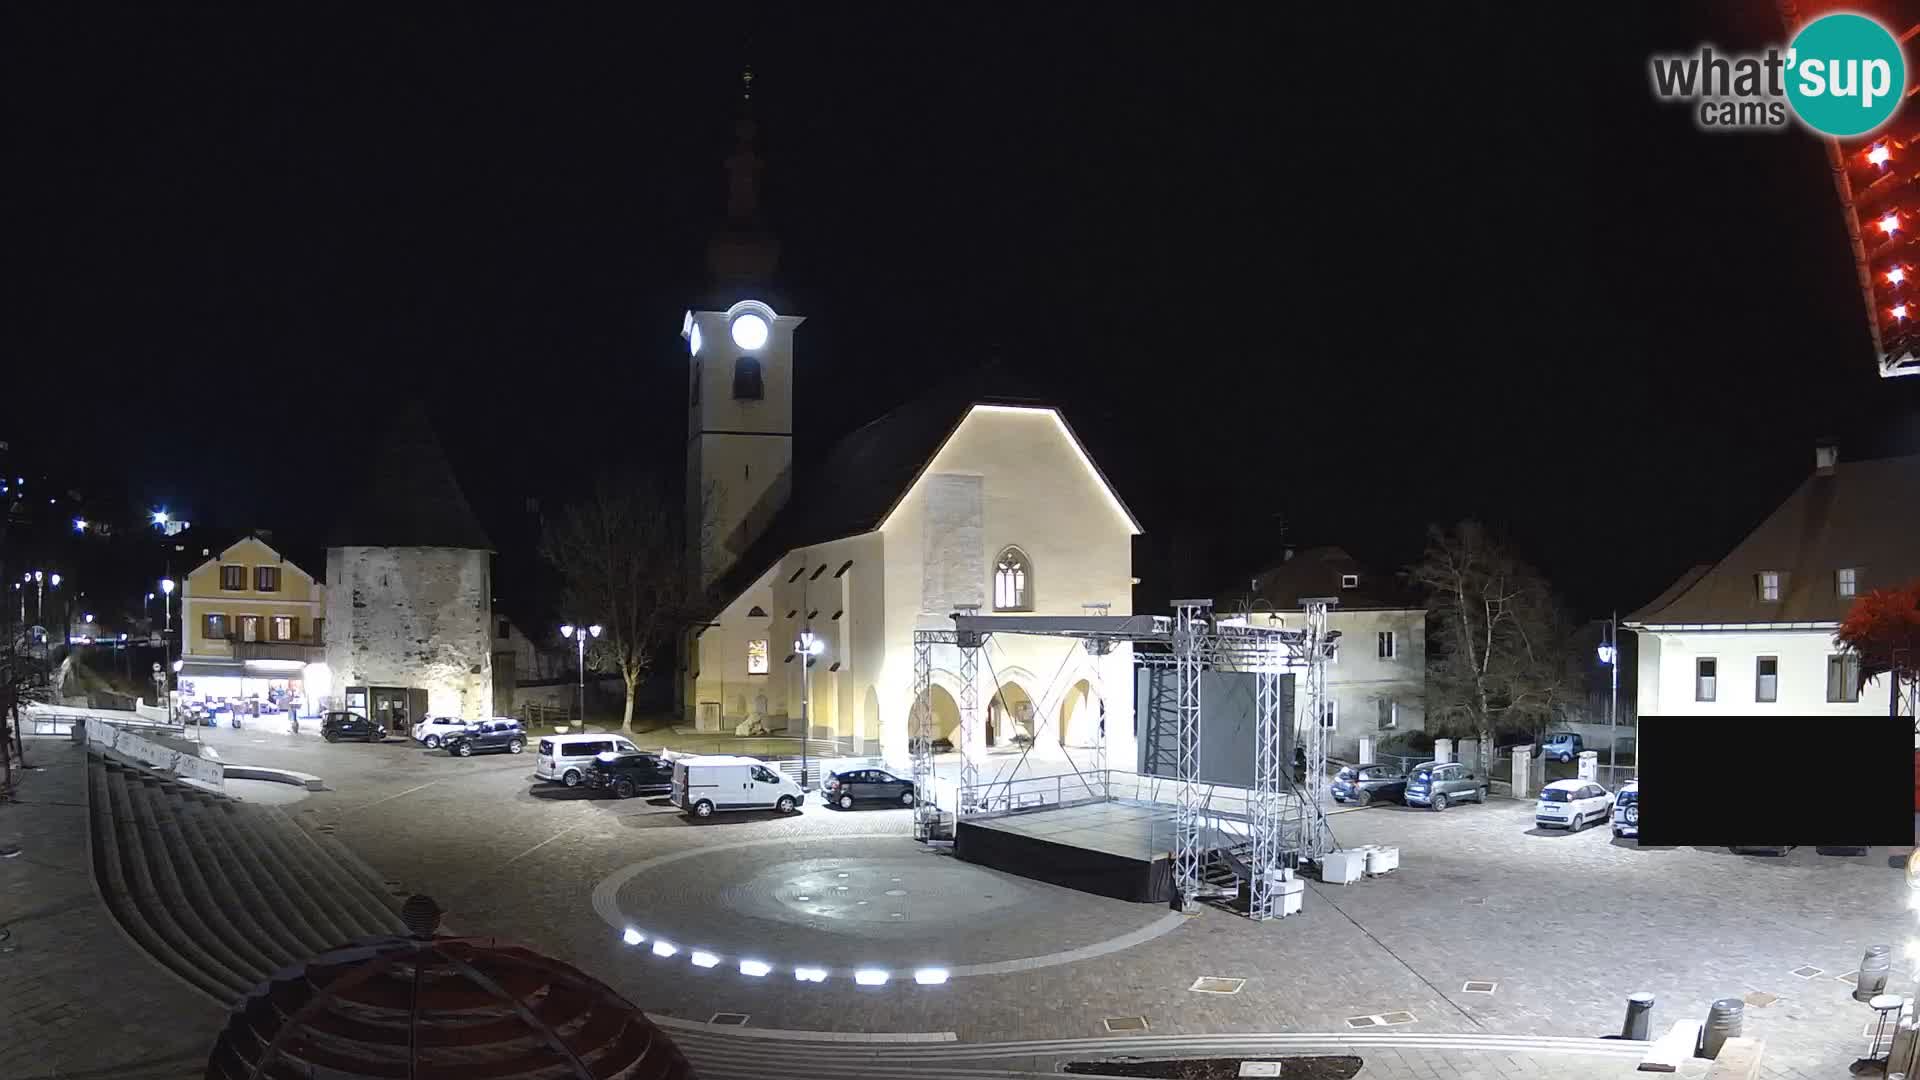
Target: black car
{"x":486,"y":736}
{"x":843,"y":789}
{"x":627,"y":775}
{"x":1364,"y":783}
{"x":345,"y":725}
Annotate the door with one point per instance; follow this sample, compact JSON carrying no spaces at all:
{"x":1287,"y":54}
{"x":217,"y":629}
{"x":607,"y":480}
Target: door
{"x":765,"y":786}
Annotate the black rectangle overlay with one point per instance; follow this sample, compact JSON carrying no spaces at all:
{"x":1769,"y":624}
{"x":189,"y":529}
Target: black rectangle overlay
{"x":1776,"y":781}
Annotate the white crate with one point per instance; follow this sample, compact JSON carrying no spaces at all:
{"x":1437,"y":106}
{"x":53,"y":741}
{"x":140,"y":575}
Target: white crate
{"x":1343,"y":867}
{"x":1382,"y":860}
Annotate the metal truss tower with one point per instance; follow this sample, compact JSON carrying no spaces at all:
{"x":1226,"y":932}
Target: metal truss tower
{"x":1267,"y":797}
{"x":1192,"y":654}
{"x":1313,"y":838}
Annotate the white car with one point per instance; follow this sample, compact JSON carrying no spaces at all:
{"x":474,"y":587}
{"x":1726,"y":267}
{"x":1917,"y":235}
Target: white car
{"x":1572,"y":805}
{"x":434,"y":730}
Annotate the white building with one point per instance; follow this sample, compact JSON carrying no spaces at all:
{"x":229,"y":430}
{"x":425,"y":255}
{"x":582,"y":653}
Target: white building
{"x":1753,"y":633}
{"x":957,"y":499}
{"x":1377,"y":673}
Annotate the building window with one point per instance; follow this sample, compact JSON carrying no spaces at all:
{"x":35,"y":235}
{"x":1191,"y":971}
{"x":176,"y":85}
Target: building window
{"x":746,"y":379}
{"x":266,"y":579}
{"x":1013,"y":581}
{"x":503,"y":629}
{"x":249,"y":628}
{"x":284,"y":627}
{"x":214,"y":627}
{"x":1770,"y":586}
{"x":1349,"y":581}
{"x":757,"y":657}
{"x":1766,"y":685}
{"x":1330,"y":714}
{"x":694,"y":396}
{"x":233,"y":578}
{"x":1389,"y":714}
{"x":1386,"y":644}
{"x":1843,"y":677}
{"x":1706,"y":671}
{"x":1846,"y":582}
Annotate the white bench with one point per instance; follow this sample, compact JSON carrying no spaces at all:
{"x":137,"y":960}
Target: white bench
{"x":1676,"y":1046}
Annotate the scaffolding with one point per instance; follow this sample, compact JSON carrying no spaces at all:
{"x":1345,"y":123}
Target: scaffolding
{"x":1287,"y":822}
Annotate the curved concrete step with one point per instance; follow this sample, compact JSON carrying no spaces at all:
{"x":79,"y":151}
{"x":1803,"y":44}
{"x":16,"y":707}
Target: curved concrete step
{"x":320,"y":886}
{"x":245,"y":933}
{"x":135,"y":902}
{"x":367,"y":910}
{"x":277,"y":939}
{"x":181,"y":887}
{"x":284,"y":901}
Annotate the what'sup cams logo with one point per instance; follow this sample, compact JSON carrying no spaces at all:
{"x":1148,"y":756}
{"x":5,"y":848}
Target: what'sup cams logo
{"x":1843,"y":75}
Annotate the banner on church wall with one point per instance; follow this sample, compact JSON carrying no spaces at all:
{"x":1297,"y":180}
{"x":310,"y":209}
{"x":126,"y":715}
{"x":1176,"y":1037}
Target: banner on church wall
{"x":953,"y":544}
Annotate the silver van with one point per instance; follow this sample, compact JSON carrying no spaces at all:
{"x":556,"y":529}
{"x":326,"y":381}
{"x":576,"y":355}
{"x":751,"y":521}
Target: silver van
{"x":567,"y":758}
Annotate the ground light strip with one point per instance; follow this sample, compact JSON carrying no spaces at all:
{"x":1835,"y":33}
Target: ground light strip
{"x":606,"y":903}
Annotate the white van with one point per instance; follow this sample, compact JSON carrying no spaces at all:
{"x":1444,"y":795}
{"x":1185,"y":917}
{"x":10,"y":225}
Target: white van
{"x":567,"y":758}
{"x":702,"y":785}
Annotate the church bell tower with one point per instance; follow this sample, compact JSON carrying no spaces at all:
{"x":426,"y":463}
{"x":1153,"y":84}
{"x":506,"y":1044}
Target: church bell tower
{"x":740,"y":374}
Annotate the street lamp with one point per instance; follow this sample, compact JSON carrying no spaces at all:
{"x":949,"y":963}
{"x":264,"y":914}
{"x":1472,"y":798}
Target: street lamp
{"x":79,"y":525}
{"x":809,"y":646}
{"x":166,"y":639}
{"x":580,"y":634}
{"x":1610,"y":656}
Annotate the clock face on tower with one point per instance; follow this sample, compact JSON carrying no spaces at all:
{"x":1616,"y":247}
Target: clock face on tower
{"x":749,"y":331}
{"x":693,"y":340}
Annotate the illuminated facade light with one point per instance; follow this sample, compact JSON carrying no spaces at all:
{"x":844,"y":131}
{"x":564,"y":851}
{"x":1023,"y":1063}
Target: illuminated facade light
{"x":1896,"y":275}
{"x":750,"y":332}
{"x":1879,"y":155}
{"x":1890,"y":223}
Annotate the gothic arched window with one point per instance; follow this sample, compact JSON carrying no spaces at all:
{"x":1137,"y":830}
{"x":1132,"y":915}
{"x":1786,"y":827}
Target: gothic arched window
{"x":1013,"y":581}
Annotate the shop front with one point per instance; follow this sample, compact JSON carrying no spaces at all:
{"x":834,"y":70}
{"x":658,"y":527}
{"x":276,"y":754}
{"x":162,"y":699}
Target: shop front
{"x":258,"y":687}
{"x":396,"y":708}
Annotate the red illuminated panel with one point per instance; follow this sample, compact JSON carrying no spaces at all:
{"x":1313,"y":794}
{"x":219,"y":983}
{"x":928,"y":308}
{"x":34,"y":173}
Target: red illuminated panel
{"x":1878,"y":179}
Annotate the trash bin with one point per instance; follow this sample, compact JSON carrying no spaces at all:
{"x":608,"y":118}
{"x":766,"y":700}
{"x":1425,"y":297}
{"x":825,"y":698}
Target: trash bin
{"x":1639,"y":1022}
{"x":1873,"y":973}
{"x":1723,"y":1023}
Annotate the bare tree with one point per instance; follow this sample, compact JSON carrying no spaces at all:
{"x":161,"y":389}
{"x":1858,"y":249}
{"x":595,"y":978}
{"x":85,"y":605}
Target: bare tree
{"x":626,"y":560}
{"x":1503,"y":660}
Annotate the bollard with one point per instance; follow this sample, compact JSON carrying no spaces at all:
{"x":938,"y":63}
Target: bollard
{"x":1639,"y":1022}
{"x":1873,"y":973}
{"x":1723,"y":1023}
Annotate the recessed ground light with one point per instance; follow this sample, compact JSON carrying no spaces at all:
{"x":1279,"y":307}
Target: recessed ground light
{"x":870,"y":977}
{"x":898,"y":915}
{"x":1363,"y":1021}
{"x":1807,"y":971}
{"x":803,"y":899}
{"x":755,"y":968}
{"x":810,"y":974}
{"x":729,"y":1019}
{"x":861,"y":903}
{"x":840,"y":875}
{"x":704,"y":959}
{"x":1397,"y":1018}
{"x":1212,"y":984}
{"x":632,"y":936}
{"x":1125,"y":1023}
{"x":1478,"y":986}
{"x":930,"y":976}
{"x":662,"y":948}
{"x":1760,"y":999}
{"x":896,"y":892}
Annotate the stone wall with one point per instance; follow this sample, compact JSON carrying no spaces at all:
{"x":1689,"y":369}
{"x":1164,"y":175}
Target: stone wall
{"x":413,"y":617}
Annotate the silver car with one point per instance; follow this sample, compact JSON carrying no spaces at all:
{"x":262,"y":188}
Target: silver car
{"x":1440,"y":784}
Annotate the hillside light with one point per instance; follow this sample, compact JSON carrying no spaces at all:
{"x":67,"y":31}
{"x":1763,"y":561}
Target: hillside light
{"x":1899,"y":311}
{"x":1879,"y":155}
{"x":88,"y":617}
{"x":54,"y":580}
{"x":1896,"y":275}
{"x":79,"y":524}
{"x":177,"y":665}
{"x":1890,"y":223}
{"x":160,"y":517}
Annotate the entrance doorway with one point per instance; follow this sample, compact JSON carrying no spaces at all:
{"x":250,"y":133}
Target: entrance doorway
{"x":397,"y":708}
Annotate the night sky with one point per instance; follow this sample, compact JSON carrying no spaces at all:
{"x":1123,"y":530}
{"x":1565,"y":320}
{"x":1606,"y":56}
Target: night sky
{"x":1352,"y":272}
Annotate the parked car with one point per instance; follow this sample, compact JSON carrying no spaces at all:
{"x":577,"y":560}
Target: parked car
{"x":1561,"y":746}
{"x":1364,"y":783}
{"x":345,"y":725}
{"x":1440,"y":784}
{"x":936,"y":746}
{"x":627,"y":775}
{"x":843,"y":789}
{"x":433,"y":731}
{"x":1572,"y":805}
{"x":704,"y":785}
{"x":568,"y":758}
{"x":488,"y":736}
{"x":1626,"y":810}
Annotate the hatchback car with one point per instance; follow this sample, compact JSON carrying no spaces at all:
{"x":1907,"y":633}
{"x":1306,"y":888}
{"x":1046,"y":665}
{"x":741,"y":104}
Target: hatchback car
{"x":1364,"y":783}
{"x":1562,"y":746}
{"x":488,"y":736}
{"x":1440,"y":784}
{"x":843,"y":789}
{"x":434,"y":730}
{"x":1572,"y":805}
{"x":336,"y":726}
{"x":627,"y":775}
{"x":1626,"y":810}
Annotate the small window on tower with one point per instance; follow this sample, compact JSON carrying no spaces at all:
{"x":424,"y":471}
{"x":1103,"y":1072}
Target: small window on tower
{"x":746,"y":379}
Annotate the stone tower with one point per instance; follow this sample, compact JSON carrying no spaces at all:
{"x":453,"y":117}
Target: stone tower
{"x":409,"y":586}
{"x":740,"y":379}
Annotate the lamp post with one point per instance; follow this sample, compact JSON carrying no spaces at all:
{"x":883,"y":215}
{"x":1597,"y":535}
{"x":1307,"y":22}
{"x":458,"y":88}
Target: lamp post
{"x":1610,"y":656}
{"x":166,"y":638}
{"x":808,"y":647}
{"x":177,"y":665}
{"x":580,"y":634}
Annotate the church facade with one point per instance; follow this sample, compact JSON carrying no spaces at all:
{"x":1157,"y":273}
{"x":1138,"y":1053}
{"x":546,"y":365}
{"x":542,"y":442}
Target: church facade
{"x":964,"y":498}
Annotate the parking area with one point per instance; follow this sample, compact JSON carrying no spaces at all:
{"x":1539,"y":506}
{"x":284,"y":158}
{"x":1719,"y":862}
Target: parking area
{"x":1562,"y":926}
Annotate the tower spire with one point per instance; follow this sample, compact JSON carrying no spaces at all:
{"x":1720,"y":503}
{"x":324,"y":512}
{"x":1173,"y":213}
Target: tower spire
{"x":743,"y":252}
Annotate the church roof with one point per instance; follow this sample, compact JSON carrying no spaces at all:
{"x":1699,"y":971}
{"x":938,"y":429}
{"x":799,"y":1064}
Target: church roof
{"x":1861,"y":516}
{"x":406,"y":495}
{"x":869,"y":471}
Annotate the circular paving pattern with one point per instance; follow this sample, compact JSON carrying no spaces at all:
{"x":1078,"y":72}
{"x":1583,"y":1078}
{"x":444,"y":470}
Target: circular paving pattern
{"x":872,"y":902}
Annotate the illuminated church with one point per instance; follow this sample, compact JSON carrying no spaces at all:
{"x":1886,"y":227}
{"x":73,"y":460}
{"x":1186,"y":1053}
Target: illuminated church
{"x":959,"y":499}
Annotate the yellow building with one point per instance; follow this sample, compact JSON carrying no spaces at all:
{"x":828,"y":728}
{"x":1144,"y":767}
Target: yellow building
{"x":253,"y":623}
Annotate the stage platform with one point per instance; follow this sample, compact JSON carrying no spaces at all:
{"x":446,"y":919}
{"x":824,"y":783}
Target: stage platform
{"x":1109,"y":848}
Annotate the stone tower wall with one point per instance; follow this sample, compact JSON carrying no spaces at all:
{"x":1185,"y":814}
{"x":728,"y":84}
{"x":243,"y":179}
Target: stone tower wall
{"x":416,"y":617}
